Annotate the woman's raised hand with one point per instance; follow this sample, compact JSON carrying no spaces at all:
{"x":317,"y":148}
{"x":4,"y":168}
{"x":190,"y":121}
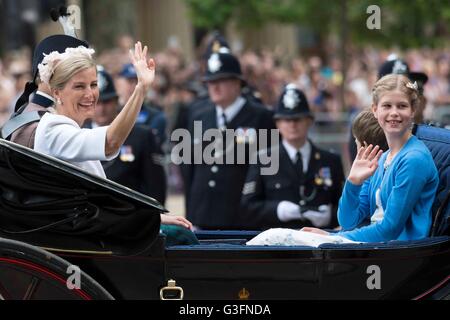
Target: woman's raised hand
{"x":145,"y":69}
{"x":365,"y":164}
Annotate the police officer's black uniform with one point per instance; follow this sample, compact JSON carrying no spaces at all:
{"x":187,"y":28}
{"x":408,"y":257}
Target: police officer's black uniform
{"x":213,"y":191}
{"x":139,"y":164}
{"x":320,"y":185}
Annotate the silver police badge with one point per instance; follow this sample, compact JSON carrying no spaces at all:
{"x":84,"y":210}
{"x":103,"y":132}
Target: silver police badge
{"x":214,"y":63}
{"x":291,"y":99}
{"x":399,"y":67}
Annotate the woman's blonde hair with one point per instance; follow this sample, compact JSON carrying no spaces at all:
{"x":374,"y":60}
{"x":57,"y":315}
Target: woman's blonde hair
{"x":67,"y":68}
{"x":399,"y":82}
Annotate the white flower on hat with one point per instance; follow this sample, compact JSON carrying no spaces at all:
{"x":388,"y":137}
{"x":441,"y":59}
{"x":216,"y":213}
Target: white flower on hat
{"x":214,"y":63}
{"x":291,"y":98}
{"x":51,"y":60}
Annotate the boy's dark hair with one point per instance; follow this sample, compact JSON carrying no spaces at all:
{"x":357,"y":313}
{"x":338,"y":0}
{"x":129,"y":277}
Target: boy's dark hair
{"x":365,"y":128}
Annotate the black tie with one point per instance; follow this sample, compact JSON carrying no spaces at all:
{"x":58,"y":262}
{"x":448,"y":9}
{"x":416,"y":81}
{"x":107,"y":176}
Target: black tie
{"x":298,"y":163}
{"x":224,"y":118}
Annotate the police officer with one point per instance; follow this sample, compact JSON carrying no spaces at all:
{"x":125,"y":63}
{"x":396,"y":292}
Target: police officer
{"x":215,"y":43}
{"x":139,"y":164}
{"x":305,"y":190}
{"x":214,"y":190}
{"x":22,"y":126}
{"x":151,"y":116}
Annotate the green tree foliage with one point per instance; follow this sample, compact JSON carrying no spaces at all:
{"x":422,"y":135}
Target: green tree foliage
{"x":405,"y":23}
{"x":212,"y":14}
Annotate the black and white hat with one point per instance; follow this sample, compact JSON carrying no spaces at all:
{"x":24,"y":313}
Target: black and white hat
{"x":222,"y":65}
{"x":216,"y":43}
{"x":105,"y":85}
{"x":59,"y":43}
{"x":292,"y":104}
{"x":395,"y":66}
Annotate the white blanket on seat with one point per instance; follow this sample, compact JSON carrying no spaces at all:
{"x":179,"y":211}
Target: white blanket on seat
{"x":291,"y":237}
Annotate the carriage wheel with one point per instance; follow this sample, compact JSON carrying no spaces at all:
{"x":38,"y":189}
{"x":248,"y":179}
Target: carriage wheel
{"x":30,"y":273}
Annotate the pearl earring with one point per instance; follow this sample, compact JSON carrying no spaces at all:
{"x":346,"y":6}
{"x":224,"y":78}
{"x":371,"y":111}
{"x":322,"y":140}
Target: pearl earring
{"x":59,"y":101}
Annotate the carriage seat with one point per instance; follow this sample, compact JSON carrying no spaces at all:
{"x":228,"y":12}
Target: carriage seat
{"x":438,"y":142}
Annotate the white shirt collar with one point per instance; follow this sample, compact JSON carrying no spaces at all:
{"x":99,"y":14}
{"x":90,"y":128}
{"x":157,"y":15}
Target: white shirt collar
{"x":45,"y":95}
{"x":305,"y":150}
{"x":231,"y":111}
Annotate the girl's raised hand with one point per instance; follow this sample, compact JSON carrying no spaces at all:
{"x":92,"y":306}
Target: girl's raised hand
{"x":365,"y":164}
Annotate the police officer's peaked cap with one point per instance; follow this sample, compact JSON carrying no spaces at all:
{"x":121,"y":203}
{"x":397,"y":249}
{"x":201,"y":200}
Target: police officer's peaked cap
{"x":59,"y":42}
{"x":395,"y":66}
{"x":222,"y":65}
{"x":105,"y":85}
{"x":128,"y":71}
{"x":292,"y":104}
{"x":420,"y":77}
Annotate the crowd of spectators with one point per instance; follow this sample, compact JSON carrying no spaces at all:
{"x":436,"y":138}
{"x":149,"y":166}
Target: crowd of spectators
{"x":265,"y":71}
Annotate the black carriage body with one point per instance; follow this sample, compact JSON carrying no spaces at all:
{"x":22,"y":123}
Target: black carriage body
{"x":327,"y":272}
{"x":222,"y":267}
{"x":229,"y":271}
